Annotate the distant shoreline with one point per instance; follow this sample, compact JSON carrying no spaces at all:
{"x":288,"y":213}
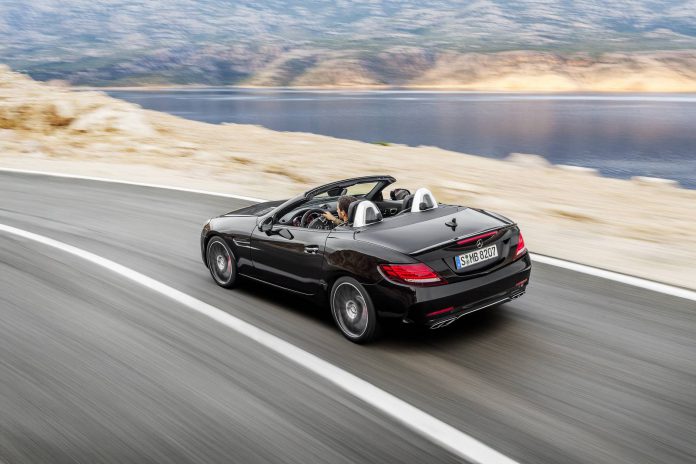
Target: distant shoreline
{"x":385,"y":88}
{"x":659,"y":71}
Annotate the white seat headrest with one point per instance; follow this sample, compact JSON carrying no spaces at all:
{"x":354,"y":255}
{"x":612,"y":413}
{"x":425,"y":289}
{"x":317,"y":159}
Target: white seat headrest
{"x":423,"y":200}
{"x":366,"y":213}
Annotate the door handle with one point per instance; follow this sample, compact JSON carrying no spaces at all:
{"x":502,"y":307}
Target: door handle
{"x":311,"y":249}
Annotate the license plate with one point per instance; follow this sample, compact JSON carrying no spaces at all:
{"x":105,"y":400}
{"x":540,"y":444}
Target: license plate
{"x":475,"y":257}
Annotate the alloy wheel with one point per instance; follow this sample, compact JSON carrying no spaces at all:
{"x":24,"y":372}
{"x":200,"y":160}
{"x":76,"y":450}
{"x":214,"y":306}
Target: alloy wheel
{"x":350,"y":310}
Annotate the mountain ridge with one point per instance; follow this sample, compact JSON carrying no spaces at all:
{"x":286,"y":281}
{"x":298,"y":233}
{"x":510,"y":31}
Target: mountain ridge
{"x":362,"y":42}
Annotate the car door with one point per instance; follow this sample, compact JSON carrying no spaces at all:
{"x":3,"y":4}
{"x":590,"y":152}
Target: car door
{"x":292,"y":260}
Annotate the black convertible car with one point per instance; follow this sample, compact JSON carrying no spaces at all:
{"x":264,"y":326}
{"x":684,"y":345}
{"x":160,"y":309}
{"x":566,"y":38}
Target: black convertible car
{"x":405,"y":256}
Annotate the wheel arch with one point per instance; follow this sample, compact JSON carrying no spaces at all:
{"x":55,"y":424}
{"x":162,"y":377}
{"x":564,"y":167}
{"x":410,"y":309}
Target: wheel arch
{"x":204,"y":244}
{"x":212,"y":234}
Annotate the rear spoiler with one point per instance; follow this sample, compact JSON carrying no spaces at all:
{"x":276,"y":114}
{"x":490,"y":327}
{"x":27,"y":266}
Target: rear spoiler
{"x":453,"y":241}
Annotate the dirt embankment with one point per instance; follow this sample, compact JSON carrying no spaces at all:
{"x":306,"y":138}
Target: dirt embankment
{"x":637,"y":227}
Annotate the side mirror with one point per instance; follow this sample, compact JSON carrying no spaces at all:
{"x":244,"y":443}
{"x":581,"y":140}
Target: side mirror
{"x":266,"y":225}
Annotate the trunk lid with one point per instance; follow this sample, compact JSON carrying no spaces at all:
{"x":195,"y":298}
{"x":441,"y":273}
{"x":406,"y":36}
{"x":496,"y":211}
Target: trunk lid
{"x":414,"y":233}
{"x":429,"y":237}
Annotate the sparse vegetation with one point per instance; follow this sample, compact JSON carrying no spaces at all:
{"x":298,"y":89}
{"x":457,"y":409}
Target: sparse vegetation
{"x":283,"y":171}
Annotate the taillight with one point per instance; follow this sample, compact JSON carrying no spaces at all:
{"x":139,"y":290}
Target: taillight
{"x":411,"y":274}
{"x":521,"y":248}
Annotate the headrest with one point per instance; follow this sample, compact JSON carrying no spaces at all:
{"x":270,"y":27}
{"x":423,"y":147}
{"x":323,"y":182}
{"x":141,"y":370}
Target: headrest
{"x":423,"y":200}
{"x":407,"y":202}
{"x":351,"y":211}
{"x":399,"y":194}
{"x":366,"y":213}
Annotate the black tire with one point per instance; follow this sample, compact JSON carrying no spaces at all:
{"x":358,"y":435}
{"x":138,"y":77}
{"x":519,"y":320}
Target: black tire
{"x":353,"y":311}
{"x":221,"y":262}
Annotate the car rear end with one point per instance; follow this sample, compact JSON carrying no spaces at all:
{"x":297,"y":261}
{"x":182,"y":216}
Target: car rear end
{"x":454,"y":274}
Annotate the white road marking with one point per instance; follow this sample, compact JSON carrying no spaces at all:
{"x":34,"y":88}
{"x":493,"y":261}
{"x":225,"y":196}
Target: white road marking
{"x":415,"y":419}
{"x":593,"y":271}
{"x":616,"y":277}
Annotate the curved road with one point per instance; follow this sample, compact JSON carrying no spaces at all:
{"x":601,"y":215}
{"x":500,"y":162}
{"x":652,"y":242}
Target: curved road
{"x":94,"y":368}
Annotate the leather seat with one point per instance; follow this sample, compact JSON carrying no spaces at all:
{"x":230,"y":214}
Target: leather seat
{"x":406,"y":203}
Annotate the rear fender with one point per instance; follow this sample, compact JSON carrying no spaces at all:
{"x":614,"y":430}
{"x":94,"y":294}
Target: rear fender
{"x":345,"y":256}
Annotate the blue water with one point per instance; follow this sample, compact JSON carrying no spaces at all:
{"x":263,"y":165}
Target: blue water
{"x":621,"y":135}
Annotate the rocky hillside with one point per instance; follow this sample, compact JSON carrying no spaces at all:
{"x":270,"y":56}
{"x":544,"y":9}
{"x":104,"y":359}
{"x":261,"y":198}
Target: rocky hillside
{"x":360,"y":42}
{"x":673,"y":71}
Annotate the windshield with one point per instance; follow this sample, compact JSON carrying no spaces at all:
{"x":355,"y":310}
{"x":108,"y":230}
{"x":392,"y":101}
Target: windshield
{"x":356,"y":190}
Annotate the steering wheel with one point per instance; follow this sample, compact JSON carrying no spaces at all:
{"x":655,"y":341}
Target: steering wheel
{"x":310,"y":215}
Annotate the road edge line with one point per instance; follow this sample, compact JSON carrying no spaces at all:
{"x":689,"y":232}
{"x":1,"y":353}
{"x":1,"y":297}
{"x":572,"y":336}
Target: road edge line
{"x":616,"y":277}
{"x":128,"y":182}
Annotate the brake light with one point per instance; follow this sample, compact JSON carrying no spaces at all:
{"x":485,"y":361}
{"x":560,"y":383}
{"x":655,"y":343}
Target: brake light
{"x":521,"y":247}
{"x":411,"y":274}
{"x":477,"y":237}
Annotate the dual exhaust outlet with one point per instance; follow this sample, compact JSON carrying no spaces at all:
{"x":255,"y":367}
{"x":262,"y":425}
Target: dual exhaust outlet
{"x":439,"y":325}
{"x":446,"y":322}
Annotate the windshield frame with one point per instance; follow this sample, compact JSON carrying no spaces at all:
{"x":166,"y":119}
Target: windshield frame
{"x":381,"y":183}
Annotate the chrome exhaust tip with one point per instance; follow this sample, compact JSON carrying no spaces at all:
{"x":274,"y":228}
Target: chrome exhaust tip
{"x":441,"y":324}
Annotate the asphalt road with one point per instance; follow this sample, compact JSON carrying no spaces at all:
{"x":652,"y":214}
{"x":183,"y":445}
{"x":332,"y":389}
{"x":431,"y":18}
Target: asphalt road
{"x":96,"y":369}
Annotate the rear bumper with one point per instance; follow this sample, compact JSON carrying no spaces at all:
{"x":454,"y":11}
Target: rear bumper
{"x":452,"y":301}
{"x":443,"y":320}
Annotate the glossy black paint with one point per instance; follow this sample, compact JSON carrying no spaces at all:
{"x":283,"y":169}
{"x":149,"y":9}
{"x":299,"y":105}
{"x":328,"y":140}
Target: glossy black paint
{"x":294,"y":263}
{"x":412,"y":304}
{"x":308,"y":261}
